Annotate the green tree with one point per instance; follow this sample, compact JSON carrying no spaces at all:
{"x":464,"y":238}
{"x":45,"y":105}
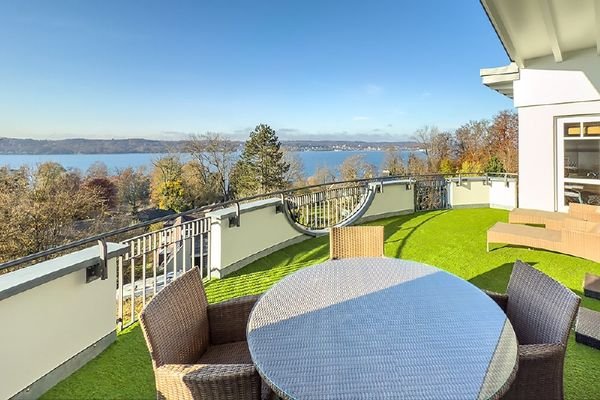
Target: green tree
{"x":171,"y":196}
{"x":494,"y":165}
{"x":166,"y":185}
{"x":446,"y":166}
{"x":261,"y":167}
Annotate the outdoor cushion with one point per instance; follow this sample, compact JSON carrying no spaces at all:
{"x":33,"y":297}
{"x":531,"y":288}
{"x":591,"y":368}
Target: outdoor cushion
{"x":586,"y":212}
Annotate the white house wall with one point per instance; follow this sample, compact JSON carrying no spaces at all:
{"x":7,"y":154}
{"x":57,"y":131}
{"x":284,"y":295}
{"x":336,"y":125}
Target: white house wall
{"x":548,"y":90}
{"x":537,"y":155}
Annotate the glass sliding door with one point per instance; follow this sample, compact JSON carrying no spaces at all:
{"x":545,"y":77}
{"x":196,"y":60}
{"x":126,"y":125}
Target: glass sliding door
{"x":578,"y":161}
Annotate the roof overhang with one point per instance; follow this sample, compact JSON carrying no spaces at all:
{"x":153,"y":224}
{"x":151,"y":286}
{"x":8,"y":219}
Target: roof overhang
{"x":501,"y":79}
{"x":531,"y":29}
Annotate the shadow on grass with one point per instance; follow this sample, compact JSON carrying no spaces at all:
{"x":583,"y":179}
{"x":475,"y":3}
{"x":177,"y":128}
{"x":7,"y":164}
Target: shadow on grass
{"x":497,"y":278}
{"x":260,"y":275}
{"x":401,"y":225}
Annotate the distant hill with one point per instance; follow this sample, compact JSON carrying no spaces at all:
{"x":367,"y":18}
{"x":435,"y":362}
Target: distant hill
{"x":120,"y":146}
{"x":86,"y":146}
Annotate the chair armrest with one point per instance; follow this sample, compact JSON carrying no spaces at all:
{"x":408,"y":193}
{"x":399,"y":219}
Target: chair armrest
{"x":500,"y":298}
{"x":228,"y":319}
{"x":540,"y":352}
{"x":200,"y":381}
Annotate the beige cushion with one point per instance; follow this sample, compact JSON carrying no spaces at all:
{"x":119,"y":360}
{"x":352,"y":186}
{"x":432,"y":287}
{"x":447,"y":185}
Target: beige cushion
{"x":579,"y":225}
{"x":586,"y":212}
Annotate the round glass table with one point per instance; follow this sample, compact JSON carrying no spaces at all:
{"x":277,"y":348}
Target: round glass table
{"x":381,"y":328}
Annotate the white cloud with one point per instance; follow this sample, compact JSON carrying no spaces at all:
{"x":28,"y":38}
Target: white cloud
{"x":359,"y":118}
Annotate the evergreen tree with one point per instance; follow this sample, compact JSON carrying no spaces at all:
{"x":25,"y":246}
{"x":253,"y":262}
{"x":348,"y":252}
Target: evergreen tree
{"x":261,"y":167}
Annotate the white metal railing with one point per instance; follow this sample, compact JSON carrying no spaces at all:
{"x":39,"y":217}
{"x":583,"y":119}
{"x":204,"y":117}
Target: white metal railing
{"x":327,"y":207}
{"x":157,"y":257}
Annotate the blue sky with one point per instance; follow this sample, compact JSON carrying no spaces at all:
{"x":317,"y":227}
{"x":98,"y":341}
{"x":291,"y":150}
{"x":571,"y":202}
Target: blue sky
{"x":308,"y":68}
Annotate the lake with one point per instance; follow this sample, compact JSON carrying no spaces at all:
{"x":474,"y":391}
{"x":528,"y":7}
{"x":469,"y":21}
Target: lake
{"x":312,"y":160}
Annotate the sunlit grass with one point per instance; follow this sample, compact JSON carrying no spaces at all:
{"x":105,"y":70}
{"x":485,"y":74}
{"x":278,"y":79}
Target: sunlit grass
{"x":452,"y":240}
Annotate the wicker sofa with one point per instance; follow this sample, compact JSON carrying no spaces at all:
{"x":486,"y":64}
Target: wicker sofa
{"x":199,"y":350}
{"x":575,"y":237}
{"x":542,"y":312}
{"x":554,"y":220}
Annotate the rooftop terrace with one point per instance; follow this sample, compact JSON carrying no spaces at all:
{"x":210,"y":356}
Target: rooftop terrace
{"x":454,"y":240}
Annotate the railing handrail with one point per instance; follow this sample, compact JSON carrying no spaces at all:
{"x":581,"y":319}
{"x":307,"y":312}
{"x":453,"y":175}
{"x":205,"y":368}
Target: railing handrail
{"x":211,"y":207}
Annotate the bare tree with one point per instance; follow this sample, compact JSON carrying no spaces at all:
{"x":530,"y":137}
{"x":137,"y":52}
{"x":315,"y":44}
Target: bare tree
{"x":217,"y":156}
{"x":322,"y":175}
{"x":133,"y":188}
{"x":97,"y":170}
{"x":295,"y":174}
{"x":356,"y":167}
{"x":392,"y":162}
{"x":504,"y":138}
{"x":472,"y":142}
{"x":44,"y":208}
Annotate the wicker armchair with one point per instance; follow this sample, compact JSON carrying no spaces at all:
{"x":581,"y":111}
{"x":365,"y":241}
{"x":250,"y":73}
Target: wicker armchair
{"x":541,"y":311}
{"x":199,"y":350}
{"x":356,"y":241}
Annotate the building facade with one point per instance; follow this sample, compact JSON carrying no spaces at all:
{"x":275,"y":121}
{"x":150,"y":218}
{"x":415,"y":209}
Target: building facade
{"x":554,"y":81}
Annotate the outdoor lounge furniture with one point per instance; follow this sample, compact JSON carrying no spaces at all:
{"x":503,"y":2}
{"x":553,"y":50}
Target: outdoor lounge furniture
{"x":575,"y":237}
{"x":541,"y":311}
{"x":381,"y":328}
{"x":356,"y":241}
{"x":554,"y":220}
{"x":591,"y":286}
{"x":587,"y":328}
{"x":199,"y":350}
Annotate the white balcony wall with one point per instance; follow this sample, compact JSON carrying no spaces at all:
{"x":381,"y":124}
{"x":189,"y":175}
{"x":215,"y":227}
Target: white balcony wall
{"x":396,"y":198}
{"x":53,"y":322}
{"x":468,"y":193}
{"x":503,"y":194}
{"x":262,"y":231}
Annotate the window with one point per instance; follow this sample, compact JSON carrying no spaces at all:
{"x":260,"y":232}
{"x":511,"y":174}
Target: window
{"x":581,"y":152}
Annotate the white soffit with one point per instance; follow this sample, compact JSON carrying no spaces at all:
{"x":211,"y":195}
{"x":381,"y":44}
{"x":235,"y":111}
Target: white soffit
{"x":500,"y":79}
{"x":531,"y":29}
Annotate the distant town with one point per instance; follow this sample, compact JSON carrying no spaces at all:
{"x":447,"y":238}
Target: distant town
{"x":122,"y":146}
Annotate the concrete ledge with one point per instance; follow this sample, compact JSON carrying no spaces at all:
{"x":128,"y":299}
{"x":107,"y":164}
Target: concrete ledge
{"x":221,"y":273}
{"x":29,"y":277}
{"x":459,"y":206}
{"x":46,"y":382}
{"x":244,"y":207}
{"x":502,"y":207}
{"x":385,"y":215}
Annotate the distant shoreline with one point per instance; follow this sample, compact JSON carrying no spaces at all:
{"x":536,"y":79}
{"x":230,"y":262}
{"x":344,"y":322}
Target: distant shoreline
{"x":33,"y":147}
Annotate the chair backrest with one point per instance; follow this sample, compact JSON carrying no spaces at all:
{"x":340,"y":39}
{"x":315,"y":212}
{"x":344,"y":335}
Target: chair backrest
{"x":540,"y":309}
{"x":586,"y":212}
{"x":175,"y":321}
{"x":356,"y":241}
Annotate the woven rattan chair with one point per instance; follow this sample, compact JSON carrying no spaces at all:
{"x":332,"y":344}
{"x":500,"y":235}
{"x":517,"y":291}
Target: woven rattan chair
{"x":541,"y":311}
{"x":199,"y":350}
{"x":356,"y":241}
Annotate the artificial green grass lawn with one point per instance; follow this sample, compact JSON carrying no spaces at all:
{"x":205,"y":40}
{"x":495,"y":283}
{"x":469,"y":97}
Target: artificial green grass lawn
{"x":453,"y":240}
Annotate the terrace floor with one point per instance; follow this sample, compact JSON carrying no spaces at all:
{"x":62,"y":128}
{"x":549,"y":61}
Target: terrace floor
{"x":454,"y":240}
